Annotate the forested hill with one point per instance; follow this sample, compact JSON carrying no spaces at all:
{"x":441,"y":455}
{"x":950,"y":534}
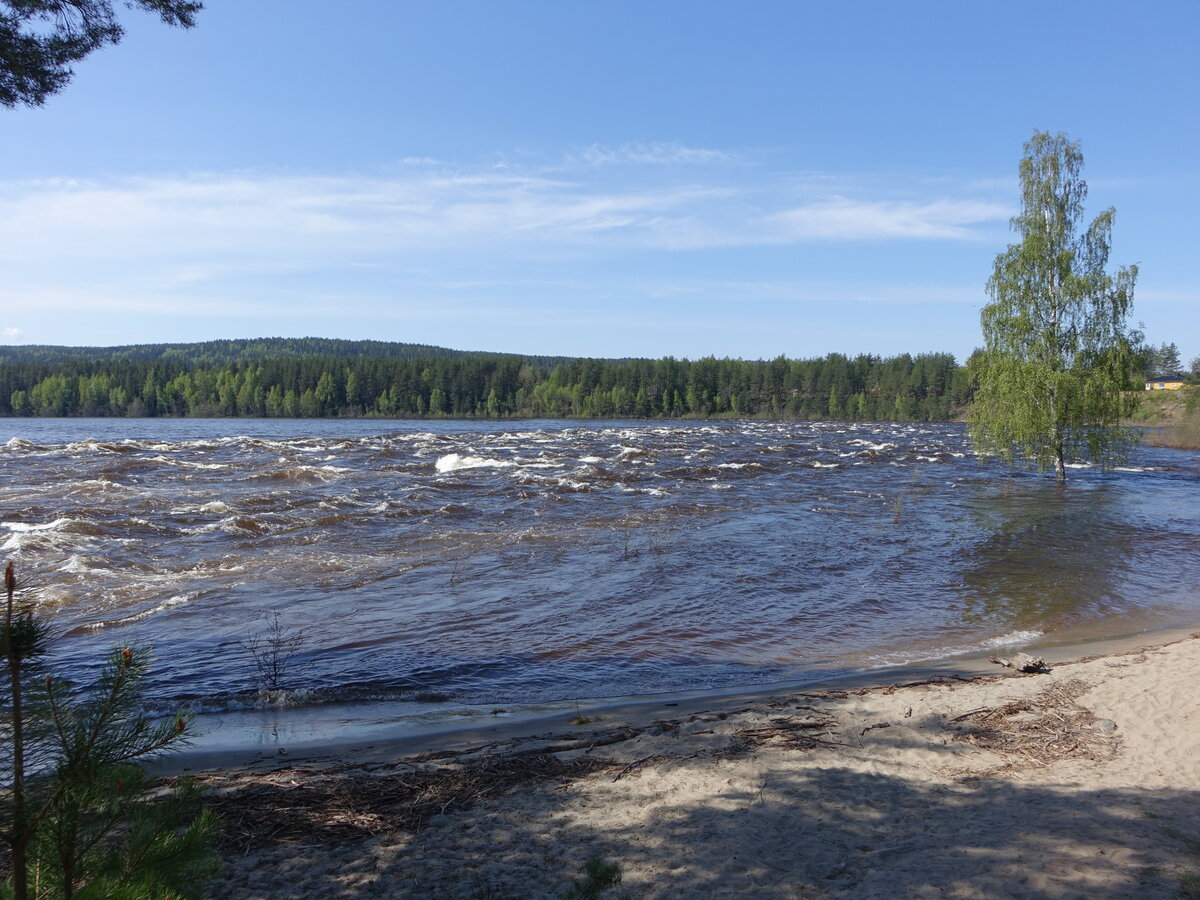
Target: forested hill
{"x":351,"y":381}
{"x":216,"y":353}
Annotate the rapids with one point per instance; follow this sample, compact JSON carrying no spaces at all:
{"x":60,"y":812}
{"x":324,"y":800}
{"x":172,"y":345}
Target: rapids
{"x":530,"y":561}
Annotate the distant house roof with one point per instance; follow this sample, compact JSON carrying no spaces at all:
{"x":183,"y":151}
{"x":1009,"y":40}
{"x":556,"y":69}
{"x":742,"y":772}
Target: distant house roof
{"x":1174,"y":376}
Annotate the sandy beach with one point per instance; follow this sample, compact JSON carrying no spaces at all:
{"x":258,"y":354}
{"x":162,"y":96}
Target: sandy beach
{"x":1080,"y":781}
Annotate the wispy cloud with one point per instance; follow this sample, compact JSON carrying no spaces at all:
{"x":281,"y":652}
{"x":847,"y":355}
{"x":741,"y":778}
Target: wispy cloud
{"x":302,"y":216}
{"x":247,"y":243}
{"x":841,"y":218}
{"x":655,"y":153}
{"x":12,"y":334}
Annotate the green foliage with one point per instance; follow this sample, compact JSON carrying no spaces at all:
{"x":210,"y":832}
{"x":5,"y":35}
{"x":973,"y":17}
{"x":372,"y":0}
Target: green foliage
{"x":1057,"y":354}
{"x":40,"y":39}
{"x":599,"y":876}
{"x":927,"y":387}
{"x":79,"y":817}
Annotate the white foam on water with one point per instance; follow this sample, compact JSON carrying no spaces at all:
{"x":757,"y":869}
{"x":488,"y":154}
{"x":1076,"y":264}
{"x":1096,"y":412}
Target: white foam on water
{"x":534,"y":478}
{"x":57,"y":533}
{"x":102,"y":484}
{"x":47,"y":526}
{"x":216,"y":506}
{"x":572,"y":484}
{"x":169,"y":603}
{"x":77,"y":565}
{"x":229,"y":525}
{"x":184,"y":463}
{"x":452,"y":462}
{"x":1011,"y":639}
{"x":817,"y":464}
{"x":16,"y":443}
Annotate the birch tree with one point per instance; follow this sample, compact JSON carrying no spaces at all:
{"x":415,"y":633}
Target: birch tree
{"x":1057,"y":355}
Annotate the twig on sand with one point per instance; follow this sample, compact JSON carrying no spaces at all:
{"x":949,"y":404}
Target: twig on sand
{"x":656,"y":757}
{"x":935,"y":680}
{"x":972,"y":712}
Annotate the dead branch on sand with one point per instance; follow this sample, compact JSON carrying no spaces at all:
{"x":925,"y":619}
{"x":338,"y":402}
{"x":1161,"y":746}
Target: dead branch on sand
{"x":790,"y":733}
{"x":1036,"y":731}
{"x":309,"y":805}
{"x":1022,"y":662}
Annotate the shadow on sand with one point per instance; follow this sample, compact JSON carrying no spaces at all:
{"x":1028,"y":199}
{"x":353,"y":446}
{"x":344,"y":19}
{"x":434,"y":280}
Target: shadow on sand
{"x":754,"y":824}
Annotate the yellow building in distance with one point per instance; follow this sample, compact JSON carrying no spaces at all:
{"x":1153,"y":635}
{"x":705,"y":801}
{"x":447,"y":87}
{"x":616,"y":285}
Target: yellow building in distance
{"x":1164,"y":383}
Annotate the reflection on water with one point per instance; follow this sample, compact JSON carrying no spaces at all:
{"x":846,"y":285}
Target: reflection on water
{"x":1039,"y":559}
{"x":520,"y":561}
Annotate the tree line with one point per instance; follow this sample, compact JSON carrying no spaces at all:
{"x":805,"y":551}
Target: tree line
{"x":925,"y":387}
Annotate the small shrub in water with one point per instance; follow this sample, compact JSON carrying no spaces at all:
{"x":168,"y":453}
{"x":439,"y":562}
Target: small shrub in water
{"x":274,"y":652}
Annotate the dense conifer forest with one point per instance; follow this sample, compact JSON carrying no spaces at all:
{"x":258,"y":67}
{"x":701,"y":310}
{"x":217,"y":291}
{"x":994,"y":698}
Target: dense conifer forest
{"x":312,"y":377}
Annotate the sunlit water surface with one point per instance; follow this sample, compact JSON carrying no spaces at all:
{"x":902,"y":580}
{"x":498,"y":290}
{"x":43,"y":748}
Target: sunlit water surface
{"x":531,"y":561}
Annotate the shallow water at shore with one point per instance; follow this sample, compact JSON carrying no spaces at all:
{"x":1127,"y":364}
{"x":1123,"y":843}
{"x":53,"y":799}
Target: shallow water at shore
{"x":533,"y":561}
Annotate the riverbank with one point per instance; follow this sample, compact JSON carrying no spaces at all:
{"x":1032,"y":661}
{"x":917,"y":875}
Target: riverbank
{"x":1080,"y":781}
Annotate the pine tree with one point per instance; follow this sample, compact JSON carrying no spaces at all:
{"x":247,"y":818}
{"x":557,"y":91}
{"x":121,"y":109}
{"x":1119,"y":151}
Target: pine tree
{"x":79,"y":815}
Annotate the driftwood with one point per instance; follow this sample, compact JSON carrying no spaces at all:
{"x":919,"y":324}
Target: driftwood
{"x":1022,"y":662}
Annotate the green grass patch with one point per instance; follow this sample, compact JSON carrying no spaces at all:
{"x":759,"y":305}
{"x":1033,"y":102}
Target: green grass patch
{"x":598,"y":877}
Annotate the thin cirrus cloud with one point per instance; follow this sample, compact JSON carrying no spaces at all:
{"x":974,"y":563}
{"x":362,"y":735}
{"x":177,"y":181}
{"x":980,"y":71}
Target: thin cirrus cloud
{"x":656,"y":153}
{"x":841,"y":218}
{"x":182,"y":226}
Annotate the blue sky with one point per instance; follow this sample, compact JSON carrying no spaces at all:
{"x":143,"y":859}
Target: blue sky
{"x":600,"y":179}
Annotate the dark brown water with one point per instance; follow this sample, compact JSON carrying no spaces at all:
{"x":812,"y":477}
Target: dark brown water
{"x":510,"y":562}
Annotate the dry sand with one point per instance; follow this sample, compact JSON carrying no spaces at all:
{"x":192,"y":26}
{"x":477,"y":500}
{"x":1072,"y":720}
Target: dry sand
{"x":1083,"y":781}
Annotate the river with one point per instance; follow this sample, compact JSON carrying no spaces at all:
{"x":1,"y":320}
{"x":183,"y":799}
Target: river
{"x":521,"y":562}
